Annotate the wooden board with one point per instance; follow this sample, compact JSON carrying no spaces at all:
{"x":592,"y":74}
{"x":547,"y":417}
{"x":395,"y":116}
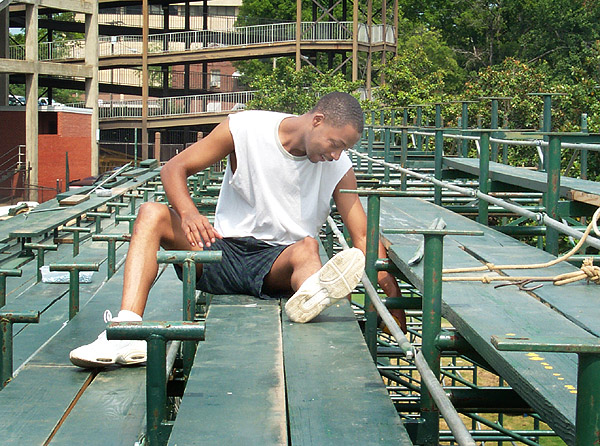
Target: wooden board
{"x":112,"y":410}
{"x":72,"y":200}
{"x":43,"y":222}
{"x":235,"y":394}
{"x":571,"y":188}
{"x":479,"y":311}
{"x":40,"y":394}
{"x":334,"y":391}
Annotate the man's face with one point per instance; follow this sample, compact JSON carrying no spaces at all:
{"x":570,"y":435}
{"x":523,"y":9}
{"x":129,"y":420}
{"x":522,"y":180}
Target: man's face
{"x":326,"y":142}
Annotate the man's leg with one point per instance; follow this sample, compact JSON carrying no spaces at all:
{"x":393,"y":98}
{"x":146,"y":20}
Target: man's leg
{"x":157,"y":225}
{"x":298,"y":268}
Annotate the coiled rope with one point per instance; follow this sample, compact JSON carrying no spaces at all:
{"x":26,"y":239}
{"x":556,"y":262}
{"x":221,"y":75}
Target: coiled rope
{"x":587,"y":271}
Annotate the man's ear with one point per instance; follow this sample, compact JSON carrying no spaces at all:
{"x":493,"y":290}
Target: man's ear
{"x":317,"y":119}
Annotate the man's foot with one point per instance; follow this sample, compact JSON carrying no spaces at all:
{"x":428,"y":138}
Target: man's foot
{"x":335,"y":280}
{"x":103,"y":352}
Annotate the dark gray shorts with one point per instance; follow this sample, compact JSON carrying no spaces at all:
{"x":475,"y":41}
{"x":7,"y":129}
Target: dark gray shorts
{"x":245,"y":263}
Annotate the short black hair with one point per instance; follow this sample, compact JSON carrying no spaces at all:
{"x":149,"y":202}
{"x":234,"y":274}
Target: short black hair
{"x":340,"y":109}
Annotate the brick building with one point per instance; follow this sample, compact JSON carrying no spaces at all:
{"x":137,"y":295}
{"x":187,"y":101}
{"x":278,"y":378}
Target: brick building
{"x":61,"y":130}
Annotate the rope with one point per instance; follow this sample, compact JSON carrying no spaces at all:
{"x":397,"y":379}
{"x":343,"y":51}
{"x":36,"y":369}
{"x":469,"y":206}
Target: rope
{"x":587,"y":271}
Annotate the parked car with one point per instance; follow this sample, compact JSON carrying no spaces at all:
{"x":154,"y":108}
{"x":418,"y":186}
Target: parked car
{"x":16,"y":100}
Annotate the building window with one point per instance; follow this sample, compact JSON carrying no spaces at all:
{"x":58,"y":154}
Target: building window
{"x":215,"y":79}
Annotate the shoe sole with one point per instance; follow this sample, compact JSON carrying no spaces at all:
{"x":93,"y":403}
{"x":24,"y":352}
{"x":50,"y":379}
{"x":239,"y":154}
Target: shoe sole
{"x":339,"y":276}
{"x":131,"y":359}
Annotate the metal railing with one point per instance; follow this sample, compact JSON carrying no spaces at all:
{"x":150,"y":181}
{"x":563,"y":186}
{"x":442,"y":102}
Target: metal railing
{"x":176,"y":79}
{"x":12,"y":161}
{"x":207,"y":39}
{"x":174,"y":106}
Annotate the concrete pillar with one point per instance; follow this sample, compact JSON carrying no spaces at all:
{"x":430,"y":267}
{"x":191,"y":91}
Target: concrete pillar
{"x":31,"y":96}
{"x":91,"y":84}
{"x":4,"y":54}
{"x":157,"y":146}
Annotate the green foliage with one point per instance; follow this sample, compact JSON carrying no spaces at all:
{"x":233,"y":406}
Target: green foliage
{"x":289,"y":91}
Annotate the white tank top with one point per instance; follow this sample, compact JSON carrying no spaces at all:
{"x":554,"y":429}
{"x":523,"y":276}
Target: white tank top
{"x":273,"y":196}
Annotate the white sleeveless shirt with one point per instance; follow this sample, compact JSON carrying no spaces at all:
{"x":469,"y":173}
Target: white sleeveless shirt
{"x":273,"y":196}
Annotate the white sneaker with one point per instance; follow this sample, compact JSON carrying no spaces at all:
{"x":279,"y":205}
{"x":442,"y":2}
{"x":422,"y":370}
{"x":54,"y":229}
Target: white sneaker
{"x":103,"y":352}
{"x":335,"y":280}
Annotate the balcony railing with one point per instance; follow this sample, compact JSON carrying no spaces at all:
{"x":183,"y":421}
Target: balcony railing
{"x":174,"y":106}
{"x":209,"y":39}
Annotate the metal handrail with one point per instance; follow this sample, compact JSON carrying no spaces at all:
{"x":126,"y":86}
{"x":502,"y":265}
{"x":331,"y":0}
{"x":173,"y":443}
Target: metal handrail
{"x":174,"y":106}
{"x":461,"y":433}
{"x":539,"y":217}
{"x":209,"y":39}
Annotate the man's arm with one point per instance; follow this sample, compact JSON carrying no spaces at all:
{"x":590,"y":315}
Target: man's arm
{"x":200,"y":155}
{"x":353,"y":215}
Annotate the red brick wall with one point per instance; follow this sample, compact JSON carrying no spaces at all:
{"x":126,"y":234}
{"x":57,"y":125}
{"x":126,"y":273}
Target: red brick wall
{"x":73,"y":136}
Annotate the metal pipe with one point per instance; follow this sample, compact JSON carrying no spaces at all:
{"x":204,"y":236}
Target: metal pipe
{"x":448,"y":412}
{"x":539,"y":217}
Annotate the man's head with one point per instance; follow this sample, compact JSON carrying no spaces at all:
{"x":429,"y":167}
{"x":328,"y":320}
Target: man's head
{"x":340,"y":109}
{"x":336,"y":124}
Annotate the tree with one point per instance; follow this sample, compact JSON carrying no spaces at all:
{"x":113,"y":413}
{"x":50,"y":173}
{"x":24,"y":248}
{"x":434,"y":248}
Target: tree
{"x":289,"y":91}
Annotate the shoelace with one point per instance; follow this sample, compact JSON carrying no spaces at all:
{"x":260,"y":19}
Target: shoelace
{"x":107,"y":316}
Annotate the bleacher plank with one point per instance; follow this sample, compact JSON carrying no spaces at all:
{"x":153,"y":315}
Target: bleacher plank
{"x":36,"y":224}
{"x":112,"y":410}
{"x":47,"y":384}
{"x":471,"y":307}
{"x":570,"y":188}
{"x":334,"y":391}
{"x":235,"y":393}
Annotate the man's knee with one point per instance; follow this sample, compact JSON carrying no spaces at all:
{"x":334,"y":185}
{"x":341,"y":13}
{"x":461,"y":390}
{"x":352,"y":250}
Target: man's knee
{"x":151,"y":216}
{"x":308,"y":246}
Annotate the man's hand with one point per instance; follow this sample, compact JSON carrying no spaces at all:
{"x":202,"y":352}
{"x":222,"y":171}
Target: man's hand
{"x":198,"y":230}
{"x":390,"y":287}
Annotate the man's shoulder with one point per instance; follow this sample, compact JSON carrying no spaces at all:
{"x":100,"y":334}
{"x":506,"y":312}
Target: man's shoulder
{"x":258,"y":115}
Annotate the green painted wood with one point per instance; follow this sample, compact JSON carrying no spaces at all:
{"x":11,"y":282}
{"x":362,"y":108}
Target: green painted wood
{"x":527,"y":178}
{"x":334,"y":391}
{"x":112,"y":410}
{"x":35,"y":225}
{"x":479,"y":311}
{"x":235,"y":394}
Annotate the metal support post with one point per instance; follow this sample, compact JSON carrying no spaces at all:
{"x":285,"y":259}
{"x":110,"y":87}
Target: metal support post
{"x":112,"y":240}
{"x":386,"y":153}
{"x":7,"y":319}
{"x":129,"y":218}
{"x":484,"y":176}
{"x":370,"y":141}
{"x":76,"y":230}
{"x":132,"y":197}
{"x":404,"y":142}
{"x":41,"y":252}
{"x":419,"y":124}
{"x":494,"y":126}
{"x":587,"y":415}
{"x":74,"y":269}
{"x":145,"y":191}
{"x":188,"y":261}
{"x":3,"y":274}
{"x":372,"y":253}
{"x":156,"y":334}
{"x":117,"y":205}
{"x":98,"y":216}
{"x":439,"y":153}
{"x":464,"y":145}
{"x":553,"y":191}
{"x":432,"y":322}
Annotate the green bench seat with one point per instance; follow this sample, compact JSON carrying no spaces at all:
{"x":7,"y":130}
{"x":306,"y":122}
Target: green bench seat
{"x":479,"y":311}
{"x":260,"y":379}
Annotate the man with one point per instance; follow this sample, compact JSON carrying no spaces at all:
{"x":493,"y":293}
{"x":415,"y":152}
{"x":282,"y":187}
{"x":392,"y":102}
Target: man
{"x":282,"y":171}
